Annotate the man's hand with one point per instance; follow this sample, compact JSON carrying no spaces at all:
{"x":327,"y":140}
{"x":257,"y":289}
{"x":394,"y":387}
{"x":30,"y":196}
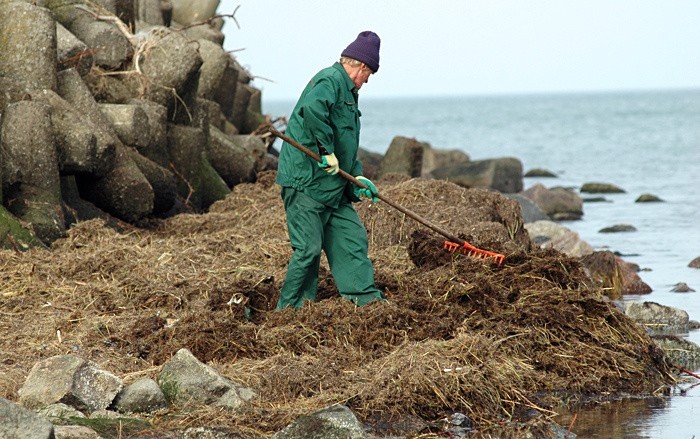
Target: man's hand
{"x":369,"y":192}
{"x":329,"y":163}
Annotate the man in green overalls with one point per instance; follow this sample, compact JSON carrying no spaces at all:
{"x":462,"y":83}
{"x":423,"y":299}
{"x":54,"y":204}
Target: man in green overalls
{"x":318,"y":203}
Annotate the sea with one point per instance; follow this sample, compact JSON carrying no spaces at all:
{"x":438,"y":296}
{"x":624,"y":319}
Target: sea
{"x":644,"y":142}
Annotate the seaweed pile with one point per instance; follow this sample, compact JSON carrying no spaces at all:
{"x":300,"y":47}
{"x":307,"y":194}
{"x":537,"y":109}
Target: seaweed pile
{"x":501,"y":345}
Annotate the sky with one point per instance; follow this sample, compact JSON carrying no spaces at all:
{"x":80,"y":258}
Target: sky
{"x":469,"y":47}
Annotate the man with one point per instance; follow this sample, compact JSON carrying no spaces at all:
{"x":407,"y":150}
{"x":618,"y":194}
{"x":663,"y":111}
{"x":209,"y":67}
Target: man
{"x":317,"y":201}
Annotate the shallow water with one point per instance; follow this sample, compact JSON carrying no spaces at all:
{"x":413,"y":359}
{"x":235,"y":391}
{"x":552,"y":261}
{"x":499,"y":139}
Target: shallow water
{"x":672,"y":417}
{"x":643,"y":142}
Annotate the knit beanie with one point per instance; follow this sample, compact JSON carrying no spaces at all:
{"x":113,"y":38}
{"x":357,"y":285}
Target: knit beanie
{"x":365,"y":49}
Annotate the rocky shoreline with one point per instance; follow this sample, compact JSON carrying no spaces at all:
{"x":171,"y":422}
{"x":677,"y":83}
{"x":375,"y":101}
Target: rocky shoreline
{"x":144,"y":246}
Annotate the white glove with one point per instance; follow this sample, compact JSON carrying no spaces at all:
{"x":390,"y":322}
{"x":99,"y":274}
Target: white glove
{"x":329,"y":163}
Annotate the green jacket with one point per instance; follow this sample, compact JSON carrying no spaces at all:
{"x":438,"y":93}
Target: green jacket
{"x":326,"y":115}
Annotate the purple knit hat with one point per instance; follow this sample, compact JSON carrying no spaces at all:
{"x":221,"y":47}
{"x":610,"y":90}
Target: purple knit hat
{"x":365,"y":49}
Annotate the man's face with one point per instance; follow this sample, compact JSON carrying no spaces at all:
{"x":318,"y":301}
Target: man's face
{"x":363,"y":76}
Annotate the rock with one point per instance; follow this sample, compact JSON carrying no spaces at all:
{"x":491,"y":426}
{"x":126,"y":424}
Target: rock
{"x":170,"y":71}
{"x":142,"y":396}
{"x":188,"y":382}
{"x":106,"y":88}
{"x":601,"y":188}
{"x":370,"y":162}
{"x":15,"y":235}
{"x":18,"y":422}
{"x":75,"y":432}
{"x":615,"y":276}
{"x":204,"y":32}
{"x":538,"y":172}
{"x":695,"y":263}
{"x":105,"y":414}
{"x":215,"y":61}
{"x":210,"y":433}
{"x":187,"y":12}
{"x":502,"y":174}
{"x":110,"y":47}
{"x":226,"y":92}
{"x":657,"y":317}
{"x":559,"y":238}
{"x":596,"y":200}
{"x":648,"y":198}
{"x":129,"y":122}
{"x":334,"y":422}
{"x":235,"y":398}
{"x":81,"y":146}
{"x":439,"y":158}
{"x":530,"y":211}
{"x":28,"y":29}
{"x":681,"y":352}
{"x":682,"y":287}
{"x":618,"y":228}
{"x":71,"y":52}
{"x":31,"y":184}
{"x":60,"y":412}
{"x":404,"y":156}
{"x":556,"y":202}
{"x":149,"y":12}
{"x":123,"y":191}
{"x":197,"y":181}
{"x":71,"y":380}
{"x":631,"y":282}
{"x":235,"y":158}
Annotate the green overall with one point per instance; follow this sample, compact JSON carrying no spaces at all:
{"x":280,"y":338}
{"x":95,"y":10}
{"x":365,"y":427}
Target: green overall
{"x":318,"y":205}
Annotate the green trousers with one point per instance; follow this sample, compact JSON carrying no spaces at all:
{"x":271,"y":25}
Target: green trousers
{"x":339,"y":232}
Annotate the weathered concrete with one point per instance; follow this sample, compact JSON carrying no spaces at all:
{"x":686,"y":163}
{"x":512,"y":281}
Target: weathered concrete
{"x":27,"y":29}
{"x":110,"y":47}
{"x":502,"y":174}
{"x":30,"y":177}
{"x":404,"y":156}
{"x":71,"y":52}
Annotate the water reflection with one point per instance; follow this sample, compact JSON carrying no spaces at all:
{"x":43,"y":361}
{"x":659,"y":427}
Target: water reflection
{"x":674,"y":416}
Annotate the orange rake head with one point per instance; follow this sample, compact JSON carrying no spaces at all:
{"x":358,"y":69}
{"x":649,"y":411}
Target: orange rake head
{"x":470,"y":250}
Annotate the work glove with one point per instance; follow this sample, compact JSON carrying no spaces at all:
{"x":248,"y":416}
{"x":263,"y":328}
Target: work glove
{"x":329,"y":163}
{"x":369,"y":192}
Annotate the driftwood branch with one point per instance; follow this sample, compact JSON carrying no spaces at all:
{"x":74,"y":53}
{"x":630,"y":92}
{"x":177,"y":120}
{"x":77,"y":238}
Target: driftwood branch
{"x":210,"y":20}
{"x":189,"y":186}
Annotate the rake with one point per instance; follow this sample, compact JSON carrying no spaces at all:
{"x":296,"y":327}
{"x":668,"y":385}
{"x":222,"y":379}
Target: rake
{"x":453,"y":243}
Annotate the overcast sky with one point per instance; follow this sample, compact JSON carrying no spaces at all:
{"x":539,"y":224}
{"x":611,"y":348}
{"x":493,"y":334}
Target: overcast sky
{"x":467,"y":47}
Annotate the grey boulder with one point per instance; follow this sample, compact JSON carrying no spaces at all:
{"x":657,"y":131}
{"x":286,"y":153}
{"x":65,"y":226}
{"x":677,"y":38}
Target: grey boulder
{"x":142,"y":396}
{"x":71,"y":380}
{"x":187,"y":381}
{"x":558,"y":203}
{"x":549,"y":234}
{"x":20,"y":423}
{"x":656,"y":317}
{"x":334,"y":422}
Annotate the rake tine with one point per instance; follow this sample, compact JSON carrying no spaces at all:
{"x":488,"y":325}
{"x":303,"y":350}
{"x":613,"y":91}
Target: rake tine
{"x":474,"y":252}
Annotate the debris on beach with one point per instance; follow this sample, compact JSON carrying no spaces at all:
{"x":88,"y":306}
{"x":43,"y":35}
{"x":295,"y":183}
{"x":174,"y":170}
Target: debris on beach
{"x":458,"y":335}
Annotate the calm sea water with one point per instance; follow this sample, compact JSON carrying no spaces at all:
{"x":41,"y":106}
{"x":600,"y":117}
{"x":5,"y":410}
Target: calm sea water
{"x":643,"y":142}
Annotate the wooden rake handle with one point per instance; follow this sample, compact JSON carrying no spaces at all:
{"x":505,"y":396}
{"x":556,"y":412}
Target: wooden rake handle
{"x":357,"y":182}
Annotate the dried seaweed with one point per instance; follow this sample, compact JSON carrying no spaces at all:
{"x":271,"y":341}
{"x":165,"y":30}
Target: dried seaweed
{"x":457,"y":334}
